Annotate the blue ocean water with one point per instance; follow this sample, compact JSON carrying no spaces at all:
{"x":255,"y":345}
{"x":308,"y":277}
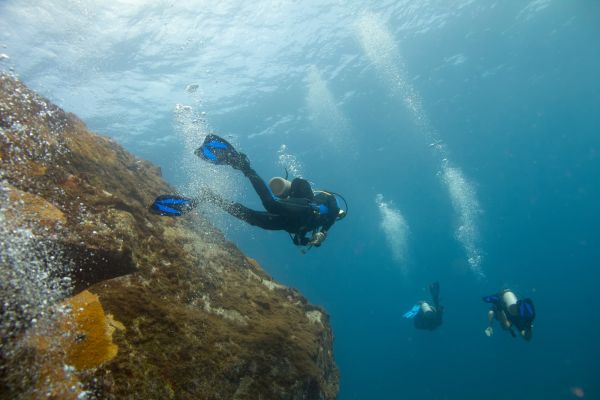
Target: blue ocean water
{"x":464,"y":135}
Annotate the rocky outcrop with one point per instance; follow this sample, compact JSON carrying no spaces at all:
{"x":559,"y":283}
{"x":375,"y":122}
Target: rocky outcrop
{"x":122,"y":303}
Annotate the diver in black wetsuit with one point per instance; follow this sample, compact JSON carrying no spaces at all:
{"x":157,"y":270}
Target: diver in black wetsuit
{"x":428,"y":316}
{"x":296,"y":208}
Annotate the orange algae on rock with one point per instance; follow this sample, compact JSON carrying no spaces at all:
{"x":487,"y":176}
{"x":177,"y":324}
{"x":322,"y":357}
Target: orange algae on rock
{"x":27,"y":206}
{"x":81,"y":339}
{"x":92,"y":330}
{"x":56,"y":383}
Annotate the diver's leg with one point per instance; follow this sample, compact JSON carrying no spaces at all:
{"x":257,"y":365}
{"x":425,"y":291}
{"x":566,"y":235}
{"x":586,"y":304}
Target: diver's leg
{"x":261,"y":219}
{"x":504,"y":321}
{"x":217,"y":150}
{"x":264,"y":193}
{"x":489,"y":331}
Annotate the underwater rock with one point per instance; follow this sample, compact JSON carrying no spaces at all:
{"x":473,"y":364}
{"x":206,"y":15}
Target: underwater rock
{"x":195,"y":318}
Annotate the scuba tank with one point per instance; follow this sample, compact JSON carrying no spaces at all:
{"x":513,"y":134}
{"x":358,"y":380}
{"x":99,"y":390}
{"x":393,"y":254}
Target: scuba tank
{"x":280,"y":186}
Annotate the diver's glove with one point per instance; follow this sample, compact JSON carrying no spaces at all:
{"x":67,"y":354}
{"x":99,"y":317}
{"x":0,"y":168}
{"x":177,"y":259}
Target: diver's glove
{"x":317,"y":239}
{"x":489,"y":331}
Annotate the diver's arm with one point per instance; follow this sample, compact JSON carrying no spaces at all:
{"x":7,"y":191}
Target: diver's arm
{"x":300,"y":239}
{"x":332,"y":214}
{"x":327,"y":225}
{"x":489,"y":331}
{"x":325,"y":228}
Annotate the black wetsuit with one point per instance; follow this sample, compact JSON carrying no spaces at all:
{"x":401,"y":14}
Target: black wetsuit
{"x":433,"y":319}
{"x":296,"y":215}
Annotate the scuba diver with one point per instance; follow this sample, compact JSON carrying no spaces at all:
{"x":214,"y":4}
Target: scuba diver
{"x":509,"y":311}
{"x":425,"y":315}
{"x":290,"y":206}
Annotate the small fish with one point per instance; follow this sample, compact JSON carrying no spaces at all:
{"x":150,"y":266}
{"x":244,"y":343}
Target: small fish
{"x":577,"y":392}
{"x":191,"y":88}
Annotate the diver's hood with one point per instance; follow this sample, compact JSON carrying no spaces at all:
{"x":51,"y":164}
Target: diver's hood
{"x":300,"y":188}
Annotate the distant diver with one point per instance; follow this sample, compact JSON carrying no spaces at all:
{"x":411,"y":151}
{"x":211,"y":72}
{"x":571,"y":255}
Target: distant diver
{"x":290,"y":206}
{"x":509,"y":312}
{"x":425,"y":315}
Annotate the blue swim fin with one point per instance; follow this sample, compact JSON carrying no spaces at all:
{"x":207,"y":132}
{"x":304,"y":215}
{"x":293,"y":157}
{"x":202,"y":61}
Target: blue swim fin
{"x":172,"y":205}
{"x":413,"y":312}
{"x":491,"y":299}
{"x":219,"y":151}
